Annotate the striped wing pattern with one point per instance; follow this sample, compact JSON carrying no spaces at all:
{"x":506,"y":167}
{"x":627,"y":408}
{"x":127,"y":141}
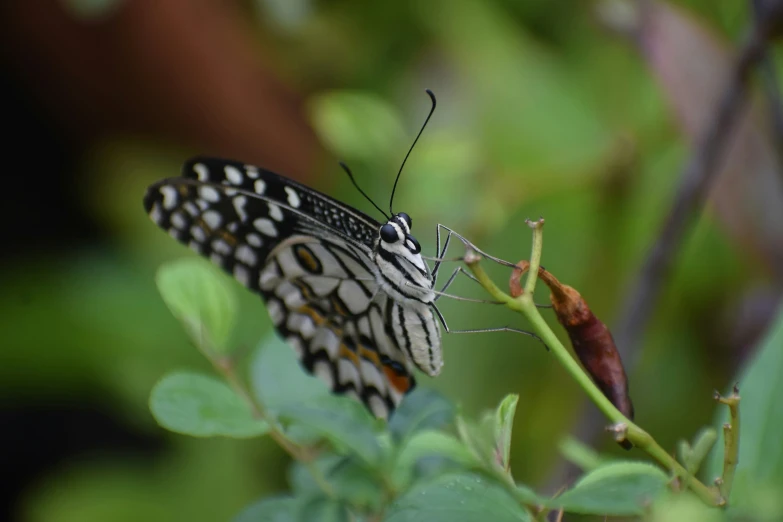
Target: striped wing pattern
{"x":308,"y":256}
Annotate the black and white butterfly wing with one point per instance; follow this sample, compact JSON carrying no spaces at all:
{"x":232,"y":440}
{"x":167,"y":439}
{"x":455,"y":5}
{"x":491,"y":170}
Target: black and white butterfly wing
{"x":307,"y":255}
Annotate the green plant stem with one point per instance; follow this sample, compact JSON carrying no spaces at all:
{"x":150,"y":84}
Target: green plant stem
{"x":227,"y":368}
{"x":731,"y":435}
{"x":624,"y":427}
{"x":535,"y":255}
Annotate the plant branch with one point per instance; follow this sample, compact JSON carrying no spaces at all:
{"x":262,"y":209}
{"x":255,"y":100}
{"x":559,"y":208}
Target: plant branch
{"x":695,"y":181}
{"x":226,"y":366}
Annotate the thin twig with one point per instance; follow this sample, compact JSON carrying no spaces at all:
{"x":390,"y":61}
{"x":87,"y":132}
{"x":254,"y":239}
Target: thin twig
{"x":731,"y":437}
{"x":695,"y":181}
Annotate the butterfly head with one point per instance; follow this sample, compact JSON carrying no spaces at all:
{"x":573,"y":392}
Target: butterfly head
{"x":396,"y":236}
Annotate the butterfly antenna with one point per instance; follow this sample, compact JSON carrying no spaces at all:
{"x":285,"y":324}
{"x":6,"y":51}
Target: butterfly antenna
{"x":394,"y":188}
{"x":350,"y":175}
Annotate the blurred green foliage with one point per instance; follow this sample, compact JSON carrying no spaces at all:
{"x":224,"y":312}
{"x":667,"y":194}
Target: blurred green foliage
{"x":541,"y":112}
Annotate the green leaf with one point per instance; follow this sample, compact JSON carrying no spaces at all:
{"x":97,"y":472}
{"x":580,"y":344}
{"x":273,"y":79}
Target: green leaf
{"x":275,"y":509}
{"x":760,"y":469}
{"x":322,"y":509}
{"x":343,"y":421}
{"x":457,"y":497}
{"x":420,"y":410}
{"x":579,"y":454}
{"x":358,"y":125}
{"x":277,"y":378}
{"x":202,"y":406}
{"x":201,"y":298}
{"x":426,"y":444}
{"x":617,"y":488}
{"x":479,"y":438}
{"x":350,"y":480}
{"x":504,"y":423}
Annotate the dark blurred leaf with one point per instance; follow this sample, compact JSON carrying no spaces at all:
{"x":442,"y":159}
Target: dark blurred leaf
{"x":748,"y":192}
{"x":202,"y":406}
{"x":275,"y":509}
{"x":91,"y":10}
{"x":759,"y":477}
{"x":426,"y":444}
{"x":463,"y":497}
{"x":343,"y":421}
{"x":199,"y":296}
{"x":421,"y":409}
{"x":617,"y":488}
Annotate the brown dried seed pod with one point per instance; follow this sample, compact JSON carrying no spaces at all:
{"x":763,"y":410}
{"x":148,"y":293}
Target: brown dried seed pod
{"x":592,"y":341}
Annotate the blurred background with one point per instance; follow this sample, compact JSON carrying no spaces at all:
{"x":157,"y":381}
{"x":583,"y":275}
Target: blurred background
{"x":581,"y":112}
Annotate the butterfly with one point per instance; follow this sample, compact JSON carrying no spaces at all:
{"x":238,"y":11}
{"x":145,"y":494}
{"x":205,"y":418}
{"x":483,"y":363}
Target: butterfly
{"x":352,"y":296}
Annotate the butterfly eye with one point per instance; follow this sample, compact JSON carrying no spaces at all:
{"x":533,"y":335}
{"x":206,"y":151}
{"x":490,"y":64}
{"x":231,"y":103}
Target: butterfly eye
{"x":405,"y":217}
{"x":389,"y":234}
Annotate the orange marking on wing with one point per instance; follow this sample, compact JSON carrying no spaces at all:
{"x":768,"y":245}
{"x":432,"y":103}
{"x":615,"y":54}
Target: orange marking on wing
{"x":306,"y":258}
{"x":370,"y":355}
{"x":338,"y":307}
{"x":346,"y":353}
{"x":401,"y":383}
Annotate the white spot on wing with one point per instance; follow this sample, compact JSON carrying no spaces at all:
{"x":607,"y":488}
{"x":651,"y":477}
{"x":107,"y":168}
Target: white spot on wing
{"x":169,"y":197}
{"x":259,"y":186}
{"x":178,"y":220}
{"x":348,"y":373}
{"x":275,"y":311}
{"x":239,"y":205}
{"x":353,"y":296}
{"x":293,"y":197}
{"x":269,"y":277}
{"x":220,"y":246}
{"x":241,"y":274}
{"x":323,"y":371}
{"x":254,"y":240}
{"x":296,"y":344}
{"x":198,"y":233}
{"x":156,"y":214}
{"x":201,"y":171}
{"x":246,"y":255}
{"x":233,"y":175}
{"x":378,"y":407}
{"x":212,"y":219}
{"x":208,"y":193}
{"x":191,"y":208}
{"x":275,"y":212}
{"x":252,"y":171}
{"x":265,"y":226}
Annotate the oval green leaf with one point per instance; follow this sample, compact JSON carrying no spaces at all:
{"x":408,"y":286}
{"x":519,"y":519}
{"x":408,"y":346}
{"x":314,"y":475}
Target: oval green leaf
{"x":457,"y":497}
{"x":346,"y":423}
{"x":617,"y":488}
{"x":202,"y":299}
{"x":202,"y":406}
{"x":421,"y":409}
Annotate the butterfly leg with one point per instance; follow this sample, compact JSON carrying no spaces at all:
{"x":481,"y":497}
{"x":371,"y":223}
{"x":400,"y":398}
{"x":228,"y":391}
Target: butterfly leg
{"x":486,"y":330}
{"x":439,"y":253}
